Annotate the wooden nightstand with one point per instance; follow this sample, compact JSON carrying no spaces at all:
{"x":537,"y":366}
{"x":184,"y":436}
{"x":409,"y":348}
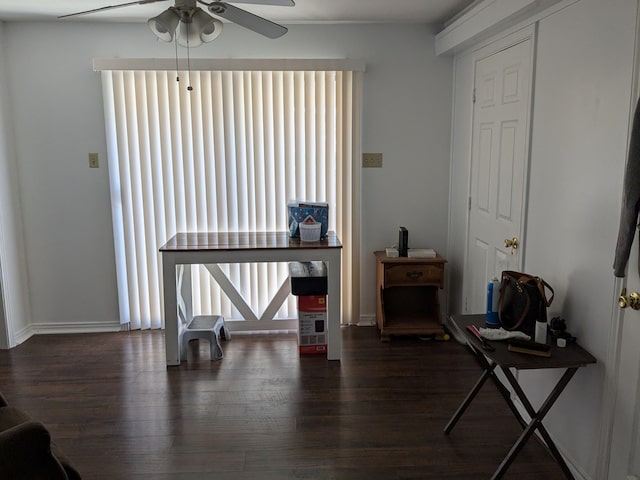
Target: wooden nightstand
{"x":407,"y":298}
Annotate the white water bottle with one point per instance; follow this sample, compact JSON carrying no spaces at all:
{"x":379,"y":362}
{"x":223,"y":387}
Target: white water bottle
{"x":541,"y":332}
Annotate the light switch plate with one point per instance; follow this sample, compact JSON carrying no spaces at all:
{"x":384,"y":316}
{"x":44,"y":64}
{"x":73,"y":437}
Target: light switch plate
{"x":94,"y":160}
{"x":372,"y":160}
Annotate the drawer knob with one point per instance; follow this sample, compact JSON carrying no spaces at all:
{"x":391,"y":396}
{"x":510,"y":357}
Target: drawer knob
{"x":414,"y":275}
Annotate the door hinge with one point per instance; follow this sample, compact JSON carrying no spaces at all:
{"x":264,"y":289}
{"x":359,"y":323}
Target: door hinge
{"x":469,"y":204}
{"x":473,"y":96}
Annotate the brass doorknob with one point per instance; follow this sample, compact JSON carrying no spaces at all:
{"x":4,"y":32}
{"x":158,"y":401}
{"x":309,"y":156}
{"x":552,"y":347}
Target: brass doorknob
{"x":622,"y":299}
{"x":633,"y":300}
{"x":512,"y":243}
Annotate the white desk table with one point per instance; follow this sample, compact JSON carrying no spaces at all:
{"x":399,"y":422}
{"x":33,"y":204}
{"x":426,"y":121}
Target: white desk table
{"x":235,"y":247}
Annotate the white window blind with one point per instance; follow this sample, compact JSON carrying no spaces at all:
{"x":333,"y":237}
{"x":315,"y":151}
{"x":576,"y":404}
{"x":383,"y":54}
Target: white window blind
{"x":227,"y":156}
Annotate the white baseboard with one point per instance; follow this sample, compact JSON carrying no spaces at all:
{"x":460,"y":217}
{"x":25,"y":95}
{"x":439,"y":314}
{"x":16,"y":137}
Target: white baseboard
{"x":24,"y":334}
{"x":20,"y":336}
{"x":367,"y":321}
{"x":110,"y":327}
{"x":76,"y":327}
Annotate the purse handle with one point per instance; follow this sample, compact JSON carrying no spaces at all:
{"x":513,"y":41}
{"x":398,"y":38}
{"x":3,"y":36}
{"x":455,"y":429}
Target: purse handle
{"x":541,"y":285}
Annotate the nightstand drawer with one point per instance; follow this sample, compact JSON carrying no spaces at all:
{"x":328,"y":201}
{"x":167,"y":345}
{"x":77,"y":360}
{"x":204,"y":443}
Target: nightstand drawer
{"x":413,"y":274}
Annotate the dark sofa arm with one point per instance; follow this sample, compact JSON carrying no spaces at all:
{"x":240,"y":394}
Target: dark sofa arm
{"x":25,"y":452}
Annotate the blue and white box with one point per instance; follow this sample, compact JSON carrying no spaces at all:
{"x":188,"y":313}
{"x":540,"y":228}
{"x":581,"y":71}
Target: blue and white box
{"x":298,"y":211}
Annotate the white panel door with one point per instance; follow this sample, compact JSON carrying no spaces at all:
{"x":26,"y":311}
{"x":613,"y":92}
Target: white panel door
{"x":624,"y":460}
{"x":624,"y":453}
{"x":499,"y":158}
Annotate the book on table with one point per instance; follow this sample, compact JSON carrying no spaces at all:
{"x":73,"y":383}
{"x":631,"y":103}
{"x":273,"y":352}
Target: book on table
{"x":422,"y":253}
{"x":529,"y":347}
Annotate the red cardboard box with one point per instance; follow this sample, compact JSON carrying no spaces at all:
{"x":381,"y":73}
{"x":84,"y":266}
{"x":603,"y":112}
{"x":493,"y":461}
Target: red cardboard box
{"x":312,"y":324}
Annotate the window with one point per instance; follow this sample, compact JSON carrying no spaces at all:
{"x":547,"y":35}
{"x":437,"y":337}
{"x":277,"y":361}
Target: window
{"x":227,"y":156}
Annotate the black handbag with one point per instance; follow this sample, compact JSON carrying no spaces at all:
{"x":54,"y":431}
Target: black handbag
{"x":523,"y":301}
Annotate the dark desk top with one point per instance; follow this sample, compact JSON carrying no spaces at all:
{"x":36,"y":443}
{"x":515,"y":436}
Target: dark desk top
{"x":571,"y":356}
{"x":194,"y":241}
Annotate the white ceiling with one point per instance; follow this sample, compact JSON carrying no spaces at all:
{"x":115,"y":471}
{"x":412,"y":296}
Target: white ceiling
{"x":305,"y":11}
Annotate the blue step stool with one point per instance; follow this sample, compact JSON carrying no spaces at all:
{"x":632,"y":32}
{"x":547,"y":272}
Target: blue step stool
{"x":209,"y":327}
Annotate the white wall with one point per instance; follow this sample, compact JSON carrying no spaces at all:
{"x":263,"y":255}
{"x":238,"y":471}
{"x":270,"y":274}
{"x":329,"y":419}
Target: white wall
{"x":13,"y":274}
{"x":581,"y":115}
{"x":581,"y":111}
{"x":58,"y":119}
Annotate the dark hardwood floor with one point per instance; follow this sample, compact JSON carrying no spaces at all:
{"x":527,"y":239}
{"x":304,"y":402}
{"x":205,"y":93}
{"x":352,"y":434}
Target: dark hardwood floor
{"x":264,"y":412}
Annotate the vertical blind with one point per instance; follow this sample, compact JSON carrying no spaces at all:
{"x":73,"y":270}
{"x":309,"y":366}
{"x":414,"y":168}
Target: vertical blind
{"x":227,"y":155}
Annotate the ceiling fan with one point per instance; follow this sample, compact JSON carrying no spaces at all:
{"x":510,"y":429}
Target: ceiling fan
{"x":196,"y":26}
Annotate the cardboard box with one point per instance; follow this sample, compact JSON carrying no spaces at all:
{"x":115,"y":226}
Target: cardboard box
{"x":299,"y":211}
{"x":312,"y":324}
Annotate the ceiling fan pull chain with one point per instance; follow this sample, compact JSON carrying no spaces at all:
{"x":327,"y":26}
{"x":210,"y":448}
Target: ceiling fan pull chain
{"x":175,"y":42}
{"x":189,"y":87}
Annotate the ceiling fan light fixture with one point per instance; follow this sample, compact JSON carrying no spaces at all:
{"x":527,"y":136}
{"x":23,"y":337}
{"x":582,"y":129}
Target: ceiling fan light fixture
{"x":165,"y":24}
{"x":188,"y":36}
{"x":205,"y":25}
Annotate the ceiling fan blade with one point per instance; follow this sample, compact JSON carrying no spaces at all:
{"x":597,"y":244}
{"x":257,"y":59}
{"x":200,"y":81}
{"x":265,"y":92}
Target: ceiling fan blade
{"x":110,"y":7}
{"x":276,"y":3}
{"x":247,"y":20}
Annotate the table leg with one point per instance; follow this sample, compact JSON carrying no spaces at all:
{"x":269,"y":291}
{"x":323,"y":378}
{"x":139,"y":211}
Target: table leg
{"x":536,"y":422}
{"x":172,"y":346}
{"x":334,"y":334}
{"x":488,"y":372}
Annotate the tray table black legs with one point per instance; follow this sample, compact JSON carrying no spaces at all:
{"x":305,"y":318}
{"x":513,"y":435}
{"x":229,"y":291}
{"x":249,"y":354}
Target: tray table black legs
{"x":536,"y":416}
